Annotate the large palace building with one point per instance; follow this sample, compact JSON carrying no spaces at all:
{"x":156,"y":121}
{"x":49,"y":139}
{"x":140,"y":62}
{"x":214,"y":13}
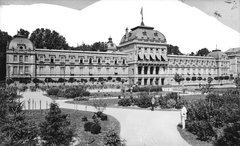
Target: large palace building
{"x":141,"y":58}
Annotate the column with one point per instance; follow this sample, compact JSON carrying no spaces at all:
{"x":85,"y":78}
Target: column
{"x":148,"y":70}
{"x":142,"y":81}
{"x":142,"y":71}
{"x":159,"y":82}
{"x":154,"y":70}
{"x":148,"y":81}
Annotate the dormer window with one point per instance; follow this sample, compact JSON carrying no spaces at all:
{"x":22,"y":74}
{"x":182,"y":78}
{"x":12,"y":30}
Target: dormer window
{"x":99,"y":60}
{"x":41,"y":58}
{"x":116,"y":61}
{"x":144,"y":33}
{"x":71,"y":59}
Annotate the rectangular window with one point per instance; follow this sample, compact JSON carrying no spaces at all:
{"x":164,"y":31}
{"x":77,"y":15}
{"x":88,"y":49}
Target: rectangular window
{"x":15,"y":70}
{"x":51,"y":70}
{"x":15,"y":58}
{"x":26,"y":58}
{"x":71,"y":70}
{"x":21,"y":70}
{"x":107,"y":70}
{"x":62,"y":70}
{"x":26,"y":70}
{"x":99,"y":70}
{"x":81,"y":70}
{"x":41,"y":70}
{"x":20,"y":58}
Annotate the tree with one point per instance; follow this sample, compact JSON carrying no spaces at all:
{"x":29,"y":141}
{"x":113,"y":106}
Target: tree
{"x":61,"y":80}
{"x":118,"y":79}
{"x":10,"y":81}
{"x":55,"y":130}
{"x":4,"y":39}
{"x":23,"y":32}
{"x":71,"y":80}
{"x":50,"y":39}
{"x":109,"y":78}
{"x":14,"y":129}
{"x":202,"y":52}
{"x":101,"y":46}
{"x":192,"y":54}
{"x":178,"y":78}
{"x":100,"y":79}
{"x":173,"y":50}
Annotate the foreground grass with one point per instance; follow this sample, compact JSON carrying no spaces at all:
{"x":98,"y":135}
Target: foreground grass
{"x":75,"y":117}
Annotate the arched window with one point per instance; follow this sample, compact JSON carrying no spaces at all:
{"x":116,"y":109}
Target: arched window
{"x":41,"y":58}
{"x":62,"y":59}
{"x":26,"y":58}
{"x":15,"y":58}
{"x":21,"y":58}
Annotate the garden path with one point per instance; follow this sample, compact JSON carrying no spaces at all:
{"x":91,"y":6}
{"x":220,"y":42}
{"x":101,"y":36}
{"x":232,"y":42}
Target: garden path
{"x":138,"y":127}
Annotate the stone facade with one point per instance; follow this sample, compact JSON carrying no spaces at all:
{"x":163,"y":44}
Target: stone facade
{"x":141,"y":58}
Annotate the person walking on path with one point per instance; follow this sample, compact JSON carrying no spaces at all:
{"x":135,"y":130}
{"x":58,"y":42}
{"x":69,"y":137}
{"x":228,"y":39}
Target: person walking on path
{"x":183,"y":114}
{"x":153,"y":103}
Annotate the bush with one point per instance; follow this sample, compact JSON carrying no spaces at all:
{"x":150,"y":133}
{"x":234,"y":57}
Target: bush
{"x":125,"y":102}
{"x":94,"y":117}
{"x":87,"y":126}
{"x":81,"y":99}
{"x":33,"y":88}
{"x":99,"y":113}
{"x":53,"y":91}
{"x":202,"y":129}
{"x":100,"y":105}
{"x":231,"y":136}
{"x":104,"y":117}
{"x":143,"y":101}
{"x":84,"y":119}
{"x":96,"y":128}
{"x":147,"y":89}
{"x":171,"y":103}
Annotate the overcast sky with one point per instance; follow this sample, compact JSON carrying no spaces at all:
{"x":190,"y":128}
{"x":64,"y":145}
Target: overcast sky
{"x":183,"y":25}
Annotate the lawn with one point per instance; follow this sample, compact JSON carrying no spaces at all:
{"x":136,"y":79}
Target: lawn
{"x":110,"y":102}
{"x":192,"y":97}
{"x":75,"y":117}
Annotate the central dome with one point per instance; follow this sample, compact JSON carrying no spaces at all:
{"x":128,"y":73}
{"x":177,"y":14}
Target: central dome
{"x":143,"y":34}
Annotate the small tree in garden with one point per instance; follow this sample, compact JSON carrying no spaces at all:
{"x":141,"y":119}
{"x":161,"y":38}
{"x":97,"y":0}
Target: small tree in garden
{"x":112,"y":138}
{"x":194,"y":78}
{"x":71,"y":80}
{"x":47,"y":80}
{"x":100,"y":105}
{"x":92,"y":79}
{"x":61,"y":80}
{"x":14,"y":129}
{"x":188,"y":79}
{"x":109,"y":78}
{"x":118,"y":79}
{"x":56,"y":129}
{"x":178,"y":78}
{"x":9,"y":81}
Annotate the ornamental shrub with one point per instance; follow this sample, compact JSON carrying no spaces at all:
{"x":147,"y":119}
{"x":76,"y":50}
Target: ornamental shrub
{"x":143,"y":101}
{"x":81,"y":99}
{"x":96,"y":127}
{"x":87,"y":126}
{"x":99,"y":113}
{"x":171,"y":103}
{"x":33,"y":88}
{"x":231,"y":136}
{"x":125,"y":102}
{"x":84,"y":119}
{"x":53,"y":91}
{"x":103,"y":117}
